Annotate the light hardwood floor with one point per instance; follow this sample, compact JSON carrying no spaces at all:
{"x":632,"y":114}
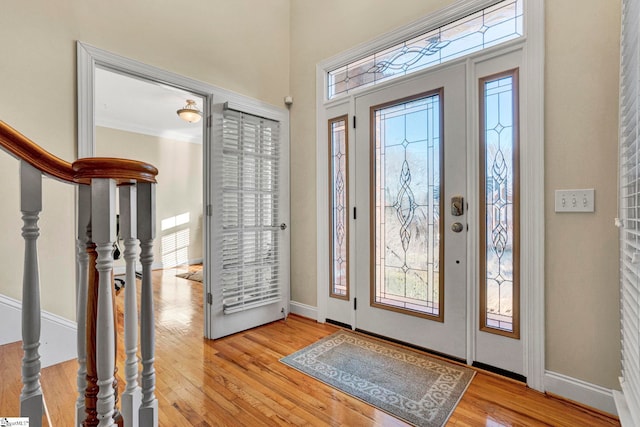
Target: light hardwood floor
{"x":238,"y":380}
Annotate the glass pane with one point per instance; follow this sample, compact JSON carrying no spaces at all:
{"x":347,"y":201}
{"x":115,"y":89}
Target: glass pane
{"x":338,"y":200}
{"x":488,"y":27}
{"x":407,"y":205}
{"x":499,"y":239}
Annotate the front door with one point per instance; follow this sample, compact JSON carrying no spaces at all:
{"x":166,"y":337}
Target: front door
{"x":411,"y":227}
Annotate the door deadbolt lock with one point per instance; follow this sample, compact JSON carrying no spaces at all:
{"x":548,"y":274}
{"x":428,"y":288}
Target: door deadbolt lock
{"x":283,"y":226}
{"x":457,"y":205}
{"x":457,"y":227}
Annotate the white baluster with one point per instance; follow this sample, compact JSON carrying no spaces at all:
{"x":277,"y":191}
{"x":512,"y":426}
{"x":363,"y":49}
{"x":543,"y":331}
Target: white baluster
{"x":84,"y":219}
{"x":103,"y":230}
{"x":132,"y":396}
{"x":31,"y":205}
{"x":146,"y":233}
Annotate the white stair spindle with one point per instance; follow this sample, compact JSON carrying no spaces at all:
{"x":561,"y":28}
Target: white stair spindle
{"x":84,"y":220}
{"x":132,"y":396}
{"x":31,"y":404}
{"x":103,"y":230}
{"x":146,"y":233}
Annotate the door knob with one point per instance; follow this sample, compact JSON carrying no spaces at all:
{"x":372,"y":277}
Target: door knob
{"x":457,"y":227}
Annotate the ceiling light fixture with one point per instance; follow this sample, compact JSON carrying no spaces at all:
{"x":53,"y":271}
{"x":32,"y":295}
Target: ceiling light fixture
{"x":190,"y":113}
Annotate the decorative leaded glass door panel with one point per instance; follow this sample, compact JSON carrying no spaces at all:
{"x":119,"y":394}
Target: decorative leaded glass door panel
{"x":405,"y":195}
{"x":410,"y":162}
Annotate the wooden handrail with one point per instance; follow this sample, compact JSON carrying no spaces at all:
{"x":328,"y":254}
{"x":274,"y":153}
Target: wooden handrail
{"x":79,"y":172}
{"x":122,"y":170}
{"x":23,"y":148}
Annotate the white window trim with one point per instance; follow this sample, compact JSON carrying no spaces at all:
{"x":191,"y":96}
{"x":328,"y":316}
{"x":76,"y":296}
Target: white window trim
{"x":532,"y":152}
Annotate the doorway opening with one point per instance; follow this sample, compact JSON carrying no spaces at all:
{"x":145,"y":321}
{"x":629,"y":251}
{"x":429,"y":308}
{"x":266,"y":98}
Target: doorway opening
{"x":136,"y":118}
{"x":217,"y":106}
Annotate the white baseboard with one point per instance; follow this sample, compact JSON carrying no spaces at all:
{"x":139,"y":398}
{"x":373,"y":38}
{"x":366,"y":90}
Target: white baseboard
{"x":11,"y":325}
{"x":57,"y":334}
{"x":626,"y":420}
{"x":303,"y":310}
{"x":628,"y":407}
{"x":597,"y":397}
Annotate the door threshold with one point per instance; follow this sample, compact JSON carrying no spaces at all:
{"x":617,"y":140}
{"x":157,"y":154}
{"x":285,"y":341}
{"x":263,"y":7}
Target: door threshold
{"x":414,"y":347}
{"x":340,"y":324}
{"x":500,"y":371}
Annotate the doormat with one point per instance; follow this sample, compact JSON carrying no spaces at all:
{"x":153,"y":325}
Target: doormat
{"x":412,"y":386}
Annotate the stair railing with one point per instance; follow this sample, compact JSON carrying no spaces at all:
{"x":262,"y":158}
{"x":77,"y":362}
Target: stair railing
{"x":98,"y":180}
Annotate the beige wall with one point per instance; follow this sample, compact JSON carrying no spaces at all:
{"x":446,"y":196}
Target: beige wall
{"x":241,"y":45}
{"x":582,"y":48}
{"x":179,"y":187}
{"x":581,"y":113}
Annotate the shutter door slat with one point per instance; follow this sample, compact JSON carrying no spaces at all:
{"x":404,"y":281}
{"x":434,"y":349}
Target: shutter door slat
{"x":250,"y":259}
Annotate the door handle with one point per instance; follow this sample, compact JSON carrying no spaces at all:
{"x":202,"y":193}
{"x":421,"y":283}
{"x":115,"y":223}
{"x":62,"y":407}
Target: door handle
{"x":457,"y":227}
{"x":282,"y":226}
{"x":457,"y":205}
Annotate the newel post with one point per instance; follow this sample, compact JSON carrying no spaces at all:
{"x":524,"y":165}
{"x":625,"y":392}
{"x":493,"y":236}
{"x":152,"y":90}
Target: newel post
{"x":103,"y":231}
{"x":146,"y":233}
{"x":31,"y":204}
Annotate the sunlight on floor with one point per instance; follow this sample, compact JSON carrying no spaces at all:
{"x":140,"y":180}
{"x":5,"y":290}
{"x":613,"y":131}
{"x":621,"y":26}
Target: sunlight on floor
{"x":177,"y":297}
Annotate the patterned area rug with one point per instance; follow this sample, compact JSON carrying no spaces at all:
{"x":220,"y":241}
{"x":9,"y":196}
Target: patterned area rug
{"x":412,"y":386}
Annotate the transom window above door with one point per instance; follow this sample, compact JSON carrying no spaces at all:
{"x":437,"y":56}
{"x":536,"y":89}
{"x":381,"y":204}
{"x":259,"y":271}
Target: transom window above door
{"x":488,"y":27}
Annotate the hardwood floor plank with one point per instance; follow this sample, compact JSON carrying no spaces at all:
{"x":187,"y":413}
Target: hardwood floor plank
{"x":60,"y":377}
{"x":239,"y":380}
{"x":10,"y":383}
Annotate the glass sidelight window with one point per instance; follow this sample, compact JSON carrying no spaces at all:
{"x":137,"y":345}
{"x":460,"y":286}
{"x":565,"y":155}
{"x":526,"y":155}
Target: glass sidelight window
{"x":338,"y":208}
{"x":499,"y":205}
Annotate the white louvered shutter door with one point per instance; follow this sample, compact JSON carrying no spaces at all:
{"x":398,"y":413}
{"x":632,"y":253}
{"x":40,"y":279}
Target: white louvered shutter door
{"x":249,"y":269}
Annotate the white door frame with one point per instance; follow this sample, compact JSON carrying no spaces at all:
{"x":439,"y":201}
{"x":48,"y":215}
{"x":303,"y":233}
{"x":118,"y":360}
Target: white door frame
{"x":90,"y":57}
{"x":531,"y":174}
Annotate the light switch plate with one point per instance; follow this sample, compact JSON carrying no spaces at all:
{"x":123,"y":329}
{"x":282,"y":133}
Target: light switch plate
{"x":575,"y":200}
